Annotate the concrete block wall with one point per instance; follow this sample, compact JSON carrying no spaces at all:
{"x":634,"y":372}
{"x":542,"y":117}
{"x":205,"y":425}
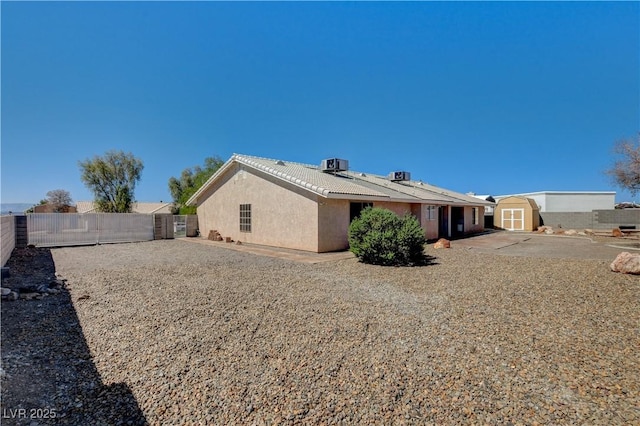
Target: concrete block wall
{"x":8,"y":237}
{"x":575,"y":220}
{"x":597,"y":219}
{"x":192,"y":225}
{"x":613,"y":218}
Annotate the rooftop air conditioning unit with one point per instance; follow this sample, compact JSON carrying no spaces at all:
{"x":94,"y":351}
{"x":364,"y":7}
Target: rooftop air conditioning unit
{"x":399,"y":176}
{"x":334,"y":165}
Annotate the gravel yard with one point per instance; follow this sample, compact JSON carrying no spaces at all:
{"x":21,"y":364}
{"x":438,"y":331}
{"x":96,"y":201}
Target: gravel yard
{"x":174,"y":332}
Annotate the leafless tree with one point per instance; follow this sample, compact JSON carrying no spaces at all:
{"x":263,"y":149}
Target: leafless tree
{"x":626,"y":168}
{"x":59,"y":198}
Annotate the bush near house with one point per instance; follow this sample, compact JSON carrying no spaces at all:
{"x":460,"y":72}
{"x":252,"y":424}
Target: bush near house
{"x":379,"y":237}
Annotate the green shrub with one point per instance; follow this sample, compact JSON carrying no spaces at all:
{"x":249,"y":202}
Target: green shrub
{"x":378,"y":236}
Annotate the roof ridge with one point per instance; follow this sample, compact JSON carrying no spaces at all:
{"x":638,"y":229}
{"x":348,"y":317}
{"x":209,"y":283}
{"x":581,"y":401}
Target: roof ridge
{"x":275,"y":160}
{"x":277,"y":173}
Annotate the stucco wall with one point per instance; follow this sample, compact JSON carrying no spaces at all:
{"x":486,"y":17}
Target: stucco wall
{"x":333,"y":225}
{"x":398,"y":208}
{"x":469,"y":227}
{"x":281,"y":216}
{"x":430,"y":226}
{"x":333,"y":221}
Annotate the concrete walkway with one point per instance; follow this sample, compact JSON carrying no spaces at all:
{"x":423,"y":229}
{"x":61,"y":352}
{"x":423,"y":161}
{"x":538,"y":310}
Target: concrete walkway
{"x":498,"y":242}
{"x":280,"y":253}
{"x":540,"y":245}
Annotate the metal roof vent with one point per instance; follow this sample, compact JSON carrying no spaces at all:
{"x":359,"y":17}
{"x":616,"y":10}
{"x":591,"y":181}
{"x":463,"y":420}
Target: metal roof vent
{"x":399,"y":176}
{"x":280,"y":163}
{"x":332,"y":165}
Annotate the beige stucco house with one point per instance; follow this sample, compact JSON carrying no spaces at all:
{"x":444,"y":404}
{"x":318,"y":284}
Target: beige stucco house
{"x":309,"y":207}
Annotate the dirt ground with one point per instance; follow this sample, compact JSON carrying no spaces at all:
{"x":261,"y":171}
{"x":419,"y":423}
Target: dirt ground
{"x":494,"y":331}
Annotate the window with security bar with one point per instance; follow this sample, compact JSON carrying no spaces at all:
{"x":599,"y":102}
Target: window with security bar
{"x":245,"y":217}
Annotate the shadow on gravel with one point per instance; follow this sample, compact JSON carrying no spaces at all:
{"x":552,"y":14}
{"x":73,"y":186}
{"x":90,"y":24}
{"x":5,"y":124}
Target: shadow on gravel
{"x":48,"y":376}
{"x":427,"y":261}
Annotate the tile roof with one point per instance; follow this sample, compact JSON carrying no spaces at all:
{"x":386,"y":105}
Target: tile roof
{"x":142,"y":208}
{"x":149,"y":208}
{"x":346,"y":184}
{"x":85,"y":207}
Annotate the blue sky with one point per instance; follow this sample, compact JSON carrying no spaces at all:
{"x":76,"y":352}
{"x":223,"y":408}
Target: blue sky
{"x":494,"y":98}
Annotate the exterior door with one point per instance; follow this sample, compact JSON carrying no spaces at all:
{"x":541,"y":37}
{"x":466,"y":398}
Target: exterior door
{"x":513,"y":219}
{"x":443,"y":222}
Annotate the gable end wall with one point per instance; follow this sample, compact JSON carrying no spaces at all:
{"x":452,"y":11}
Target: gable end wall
{"x":282,"y":215}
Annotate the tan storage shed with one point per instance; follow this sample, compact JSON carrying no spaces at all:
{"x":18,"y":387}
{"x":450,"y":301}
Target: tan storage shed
{"x":516,"y":214}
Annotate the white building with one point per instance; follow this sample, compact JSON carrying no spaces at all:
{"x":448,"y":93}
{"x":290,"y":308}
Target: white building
{"x":569,"y":201}
{"x":488,"y":210}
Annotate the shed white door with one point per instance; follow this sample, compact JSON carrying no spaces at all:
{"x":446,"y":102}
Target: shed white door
{"x":513,"y":219}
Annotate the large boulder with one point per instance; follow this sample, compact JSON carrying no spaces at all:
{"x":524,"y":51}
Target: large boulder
{"x":617,"y":233}
{"x":626,"y":263}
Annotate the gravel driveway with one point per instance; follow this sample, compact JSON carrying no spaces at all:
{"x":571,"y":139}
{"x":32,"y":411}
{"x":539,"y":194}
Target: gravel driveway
{"x":185,"y":333}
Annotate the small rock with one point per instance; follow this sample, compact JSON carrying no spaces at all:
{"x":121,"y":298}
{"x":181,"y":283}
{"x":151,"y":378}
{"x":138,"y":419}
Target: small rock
{"x":571,"y":232}
{"x":588,"y":231}
{"x":541,"y":229}
{"x":5,"y":291}
{"x":238,"y":242}
{"x":548,"y":231}
{"x":626,"y":263}
{"x":12,"y":296}
{"x":29,"y":296}
{"x":442,"y":243}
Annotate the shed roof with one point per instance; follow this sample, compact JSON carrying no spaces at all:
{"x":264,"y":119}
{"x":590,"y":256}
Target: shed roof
{"x":525,"y":200}
{"x":346,"y":184}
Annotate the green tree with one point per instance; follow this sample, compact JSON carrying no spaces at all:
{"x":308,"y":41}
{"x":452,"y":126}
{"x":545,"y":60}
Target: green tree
{"x":112,"y":178}
{"x":378,"y":236}
{"x":191,"y":179}
{"x":626,"y":169}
